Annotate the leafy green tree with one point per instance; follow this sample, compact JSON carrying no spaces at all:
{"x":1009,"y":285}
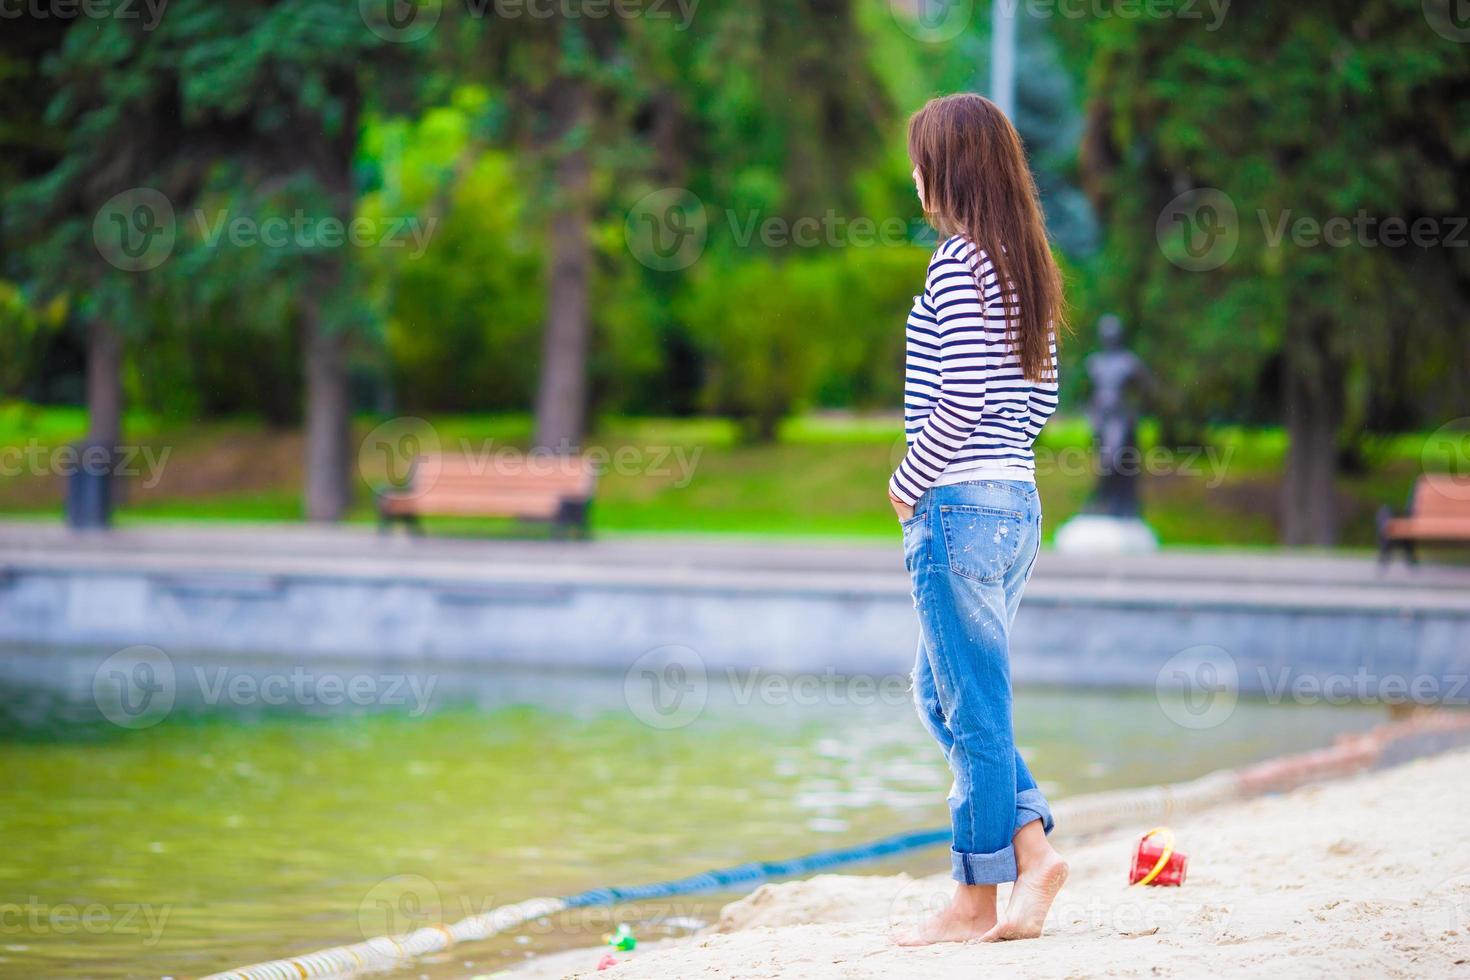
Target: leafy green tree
{"x":253,"y":106}
{"x":779,"y":335}
{"x":463,"y":317}
{"x":24,"y":335}
{"x":757,"y":107}
{"x":121,"y":132}
{"x":1313,"y":111}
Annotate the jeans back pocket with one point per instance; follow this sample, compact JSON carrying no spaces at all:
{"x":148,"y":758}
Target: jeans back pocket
{"x":982,"y":543}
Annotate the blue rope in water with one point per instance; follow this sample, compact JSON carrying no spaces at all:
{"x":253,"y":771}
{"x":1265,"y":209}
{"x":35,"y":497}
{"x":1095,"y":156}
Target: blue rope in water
{"x":746,"y":875}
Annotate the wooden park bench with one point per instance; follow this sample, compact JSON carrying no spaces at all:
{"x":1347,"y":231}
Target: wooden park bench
{"x":1438,"y":514}
{"x":554,"y":489}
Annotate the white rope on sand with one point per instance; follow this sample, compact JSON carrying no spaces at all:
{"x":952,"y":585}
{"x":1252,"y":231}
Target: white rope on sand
{"x":385,"y":952}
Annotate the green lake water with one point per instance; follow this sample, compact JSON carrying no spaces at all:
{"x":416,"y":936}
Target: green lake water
{"x":242,"y":830}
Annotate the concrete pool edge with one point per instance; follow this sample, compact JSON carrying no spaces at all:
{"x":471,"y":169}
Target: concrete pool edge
{"x":333,"y":594}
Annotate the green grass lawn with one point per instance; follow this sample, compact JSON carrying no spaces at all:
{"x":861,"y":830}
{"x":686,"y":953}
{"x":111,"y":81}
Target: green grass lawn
{"x":825,"y":476}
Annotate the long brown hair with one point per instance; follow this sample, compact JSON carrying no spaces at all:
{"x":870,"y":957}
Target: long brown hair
{"x":977,"y":184}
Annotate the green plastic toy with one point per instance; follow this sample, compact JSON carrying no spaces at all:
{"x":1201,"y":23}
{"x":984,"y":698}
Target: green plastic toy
{"x":623,"y":939}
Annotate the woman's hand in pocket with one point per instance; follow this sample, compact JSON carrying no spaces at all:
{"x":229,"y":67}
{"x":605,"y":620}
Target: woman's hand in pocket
{"x":903,"y":510}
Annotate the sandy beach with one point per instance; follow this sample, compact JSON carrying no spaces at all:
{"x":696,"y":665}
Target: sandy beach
{"x":1367,"y":876}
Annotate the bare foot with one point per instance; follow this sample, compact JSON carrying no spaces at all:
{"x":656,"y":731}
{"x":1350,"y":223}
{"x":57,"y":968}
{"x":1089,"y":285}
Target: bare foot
{"x":1031,"y":899}
{"x":950,"y":926}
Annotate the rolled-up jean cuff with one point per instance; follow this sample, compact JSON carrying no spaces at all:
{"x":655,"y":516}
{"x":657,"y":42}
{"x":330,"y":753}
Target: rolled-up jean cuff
{"x":1031,"y":805}
{"x":984,"y":869}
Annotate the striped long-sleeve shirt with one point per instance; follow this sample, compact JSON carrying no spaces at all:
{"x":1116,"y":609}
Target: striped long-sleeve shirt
{"x":969,"y":412}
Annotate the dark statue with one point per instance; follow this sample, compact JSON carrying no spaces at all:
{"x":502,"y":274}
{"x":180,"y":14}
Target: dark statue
{"x":1117,"y":377}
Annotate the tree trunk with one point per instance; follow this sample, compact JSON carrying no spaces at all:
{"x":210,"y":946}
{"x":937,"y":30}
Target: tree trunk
{"x":104,"y":383}
{"x":561,"y":399}
{"x":329,"y":153}
{"x":1314,"y":408}
{"x":328,"y":417}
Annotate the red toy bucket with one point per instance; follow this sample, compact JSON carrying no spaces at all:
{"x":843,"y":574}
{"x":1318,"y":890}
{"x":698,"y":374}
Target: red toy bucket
{"x":1155,"y":862}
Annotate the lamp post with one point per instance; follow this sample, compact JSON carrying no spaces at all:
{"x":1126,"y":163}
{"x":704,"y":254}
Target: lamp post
{"x":1003,"y":56}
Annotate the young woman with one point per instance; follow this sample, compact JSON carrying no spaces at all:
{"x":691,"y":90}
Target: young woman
{"x":981,"y":382}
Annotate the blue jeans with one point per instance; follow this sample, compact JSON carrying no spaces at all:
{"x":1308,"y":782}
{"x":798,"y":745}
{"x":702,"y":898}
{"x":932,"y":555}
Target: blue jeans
{"x":969,"y":549}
